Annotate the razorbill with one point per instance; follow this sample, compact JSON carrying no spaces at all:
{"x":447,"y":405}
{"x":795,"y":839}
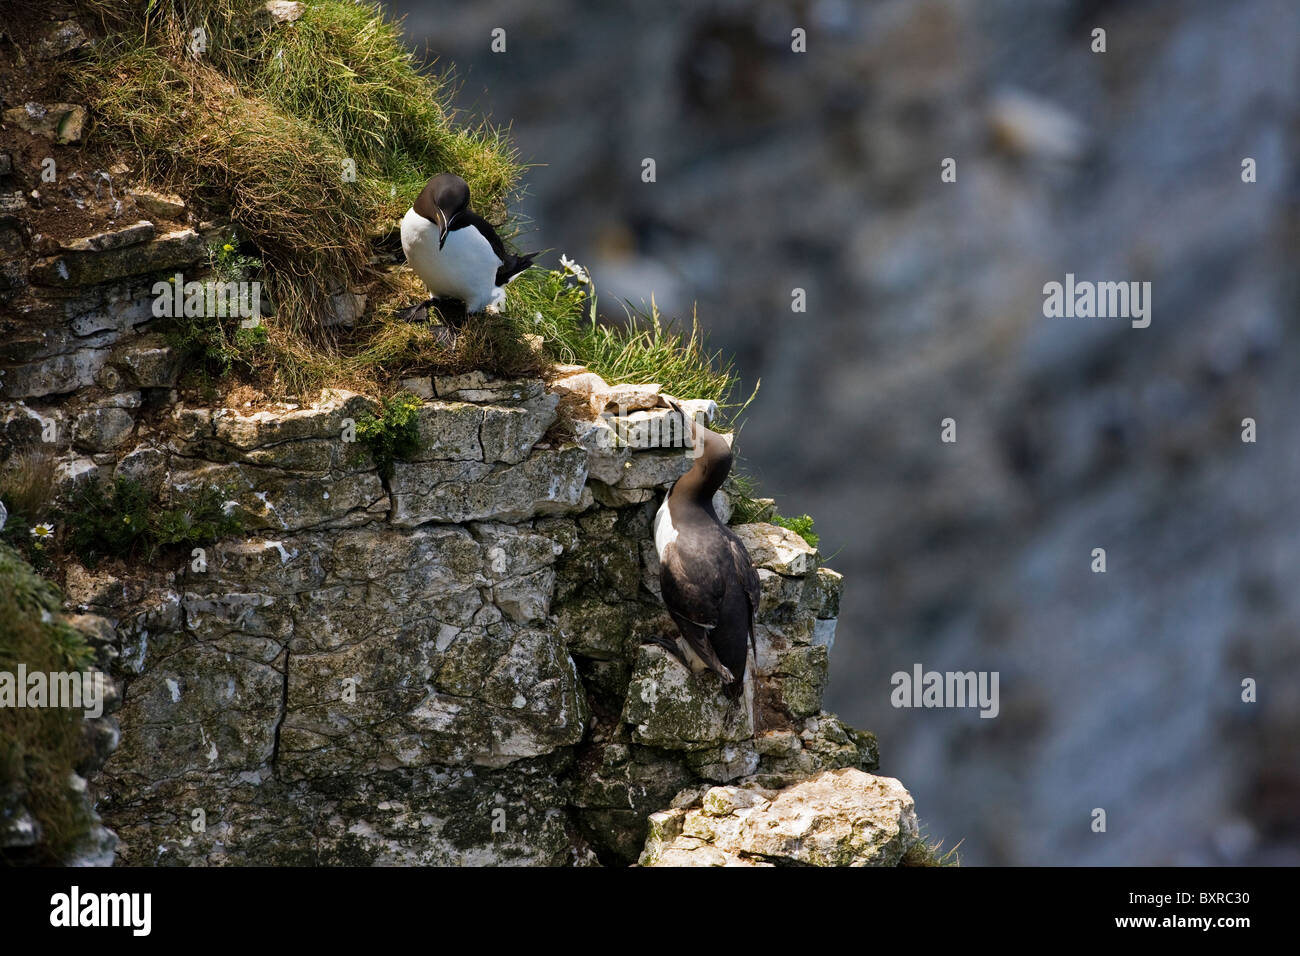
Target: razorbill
{"x":706,"y":577}
{"x":455,"y":251}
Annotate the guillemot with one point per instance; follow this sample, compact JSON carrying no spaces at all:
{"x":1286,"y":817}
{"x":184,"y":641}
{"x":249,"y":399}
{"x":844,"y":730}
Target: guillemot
{"x":455,"y":251}
{"x":708,"y":582}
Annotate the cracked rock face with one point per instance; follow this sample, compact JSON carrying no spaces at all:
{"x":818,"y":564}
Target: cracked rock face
{"x":449,"y":666}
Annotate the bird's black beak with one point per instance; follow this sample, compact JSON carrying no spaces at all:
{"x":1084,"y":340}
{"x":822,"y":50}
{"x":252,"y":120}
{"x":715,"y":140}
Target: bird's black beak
{"x":444,"y":224}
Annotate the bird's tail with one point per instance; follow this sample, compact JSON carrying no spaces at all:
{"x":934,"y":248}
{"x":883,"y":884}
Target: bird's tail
{"x":512,"y":266}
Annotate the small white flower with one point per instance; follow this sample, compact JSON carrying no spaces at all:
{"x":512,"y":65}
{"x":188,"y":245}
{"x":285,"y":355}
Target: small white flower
{"x":575,"y":270}
{"x":42,"y":531}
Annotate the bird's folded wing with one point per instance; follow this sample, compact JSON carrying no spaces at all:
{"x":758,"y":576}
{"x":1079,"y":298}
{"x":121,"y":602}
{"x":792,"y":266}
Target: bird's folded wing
{"x":694,"y":591}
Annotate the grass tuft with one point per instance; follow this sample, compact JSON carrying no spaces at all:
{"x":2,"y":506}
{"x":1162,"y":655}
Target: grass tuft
{"x":925,"y":853}
{"x":645,"y":348}
{"x":802,"y":526}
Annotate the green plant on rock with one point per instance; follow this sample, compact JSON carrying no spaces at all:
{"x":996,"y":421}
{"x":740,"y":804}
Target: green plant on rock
{"x":392,"y":434}
{"x":747,"y":508}
{"x":215,"y":332}
{"x":108,"y":521}
{"x":228,"y":264}
{"x":802,"y":526}
{"x":122,"y":520}
{"x":199,"y":521}
{"x":924,"y":853}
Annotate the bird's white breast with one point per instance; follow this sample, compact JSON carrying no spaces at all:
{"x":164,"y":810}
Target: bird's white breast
{"x":665,"y":533}
{"x":464,"y":268}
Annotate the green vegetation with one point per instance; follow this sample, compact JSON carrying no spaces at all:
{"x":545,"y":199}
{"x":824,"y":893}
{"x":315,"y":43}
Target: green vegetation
{"x":747,"y":508}
{"x":221,"y":342}
{"x":123,"y":520}
{"x":393,"y":433}
{"x":802,"y":526}
{"x":39,"y":747}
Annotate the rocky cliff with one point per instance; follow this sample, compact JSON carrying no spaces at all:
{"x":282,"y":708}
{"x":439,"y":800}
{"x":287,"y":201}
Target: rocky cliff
{"x":441,"y":662}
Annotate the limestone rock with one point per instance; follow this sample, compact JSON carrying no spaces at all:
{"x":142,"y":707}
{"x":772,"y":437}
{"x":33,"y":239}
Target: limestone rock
{"x":421,"y":386}
{"x":548,"y":482}
{"x":63,"y":37}
{"x":344,"y":309}
{"x":583,"y":384}
{"x":631,"y":398}
{"x":144,"y":464}
{"x":836,"y":818}
{"x":159,"y":205}
{"x":656,"y":428}
{"x":472,"y":636}
{"x":243,"y":431}
{"x":55,"y":375}
{"x":100,"y":429}
{"x":62,"y":122}
{"x":150,"y":362}
{"x":669,"y":706}
{"x":479,"y":387}
{"x":509,"y":432}
{"x":449,"y":431}
{"x":777,"y":549}
{"x":137,"y":232}
{"x":284,"y":11}
{"x":171,"y":251}
{"x":655,"y":470}
{"x":275,"y":499}
{"x":606,"y":454}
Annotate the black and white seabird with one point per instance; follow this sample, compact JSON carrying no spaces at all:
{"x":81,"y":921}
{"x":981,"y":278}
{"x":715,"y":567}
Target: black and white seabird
{"x":455,"y":251}
{"x":707,"y":579}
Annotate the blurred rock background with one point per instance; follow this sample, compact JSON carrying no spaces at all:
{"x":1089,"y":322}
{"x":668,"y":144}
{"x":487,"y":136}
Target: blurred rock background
{"x":821,"y":171}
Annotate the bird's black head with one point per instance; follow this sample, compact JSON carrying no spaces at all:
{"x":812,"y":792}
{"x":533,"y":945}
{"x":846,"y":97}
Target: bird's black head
{"x":712,"y":455}
{"x":443,"y":198}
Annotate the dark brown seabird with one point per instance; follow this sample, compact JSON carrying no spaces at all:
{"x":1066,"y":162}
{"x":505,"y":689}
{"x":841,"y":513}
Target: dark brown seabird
{"x":708,"y":582}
